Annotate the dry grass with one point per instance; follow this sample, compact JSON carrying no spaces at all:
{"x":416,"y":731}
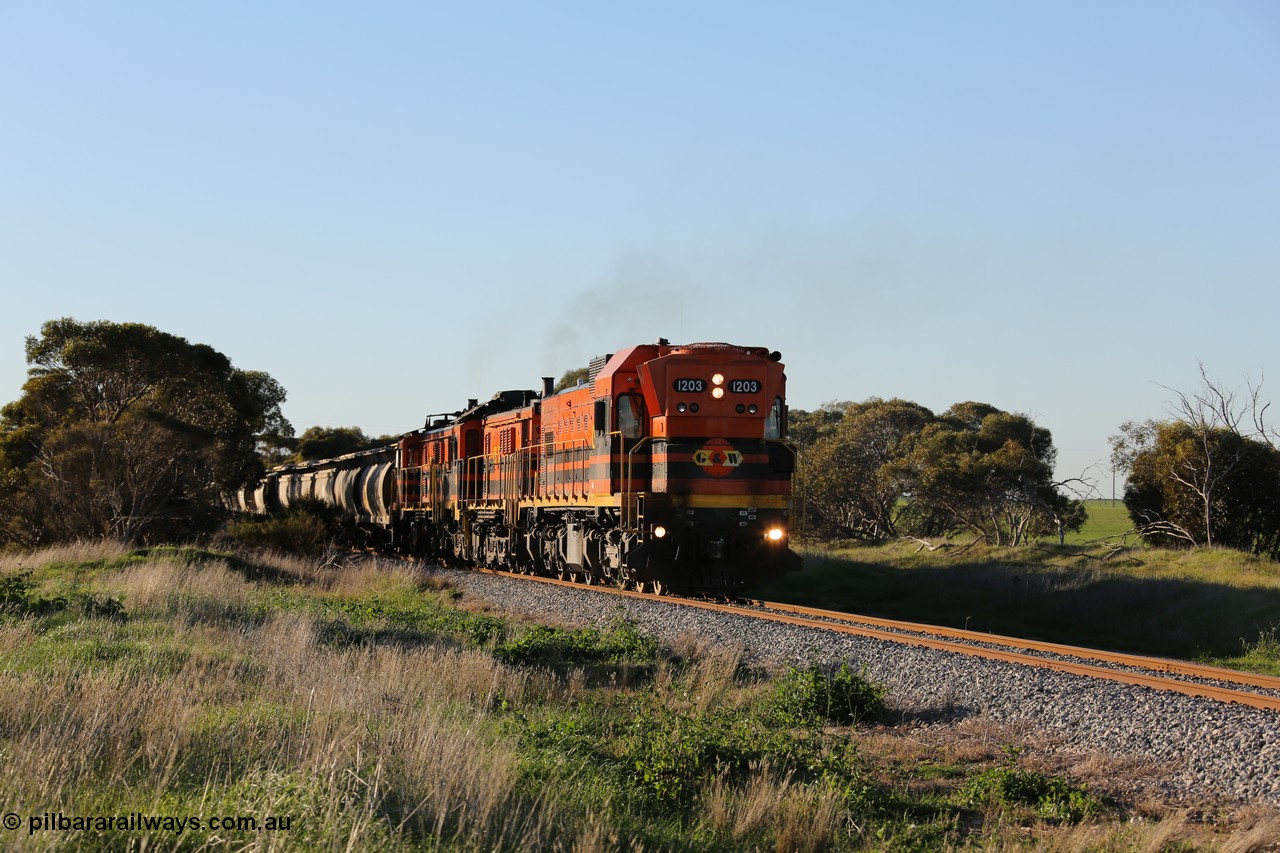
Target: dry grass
{"x":98,"y":725}
{"x":371,"y":745}
{"x":706,"y":678}
{"x":1171,"y":832}
{"x":804,"y":818}
{"x":169,"y":587}
{"x":1258,"y":833}
{"x":299,"y":568}
{"x":372,"y":576}
{"x":16,"y":635}
{"x":72,"y":552}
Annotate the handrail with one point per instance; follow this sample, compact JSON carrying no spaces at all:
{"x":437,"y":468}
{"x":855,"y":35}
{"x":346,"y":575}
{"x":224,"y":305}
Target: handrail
{"x":798,"y":516}
{"x":430,"y":486}
{"x":516,"y":478}
{"x":556,"y":483}
{"x":629,"y":523}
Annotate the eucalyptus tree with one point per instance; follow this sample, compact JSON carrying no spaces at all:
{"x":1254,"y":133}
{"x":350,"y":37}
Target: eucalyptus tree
{"x":129,"y":432}
{"x":886,"y":468}
{"x":854,"y":480}
{"x":989,"y":472}
{"x":1208,"y":475}
{"x":319,"y":442}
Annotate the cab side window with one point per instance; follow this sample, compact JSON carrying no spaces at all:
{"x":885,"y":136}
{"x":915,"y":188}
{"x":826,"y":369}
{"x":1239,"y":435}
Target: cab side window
{"x":601,"y":416}
{"x":631,"y":415}
{"x":773,"y":423}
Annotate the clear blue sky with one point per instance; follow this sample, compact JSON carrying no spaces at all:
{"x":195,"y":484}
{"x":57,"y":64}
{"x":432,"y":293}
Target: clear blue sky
{"x":1053,"y":207}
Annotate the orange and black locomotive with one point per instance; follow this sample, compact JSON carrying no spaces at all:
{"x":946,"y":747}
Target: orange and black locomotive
{"x":666,"y":468}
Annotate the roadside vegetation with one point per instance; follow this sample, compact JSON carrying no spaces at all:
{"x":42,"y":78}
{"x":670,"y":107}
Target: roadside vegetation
{"x":378,"y":708}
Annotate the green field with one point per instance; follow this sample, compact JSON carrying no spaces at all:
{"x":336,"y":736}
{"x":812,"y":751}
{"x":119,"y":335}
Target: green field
{"x":1108,"y":519}
{"x":1101,"y":589}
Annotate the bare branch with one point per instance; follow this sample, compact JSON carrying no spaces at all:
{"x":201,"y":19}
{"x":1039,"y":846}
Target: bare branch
{"x":1082,"y":487}
{"x":925,"y":544}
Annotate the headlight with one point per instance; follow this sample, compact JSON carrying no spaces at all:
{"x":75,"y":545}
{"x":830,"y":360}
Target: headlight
{"x":718,"y":379}
{"x":717,"y":393}
{"x":659,"y":531}
{"x":775,"y":534}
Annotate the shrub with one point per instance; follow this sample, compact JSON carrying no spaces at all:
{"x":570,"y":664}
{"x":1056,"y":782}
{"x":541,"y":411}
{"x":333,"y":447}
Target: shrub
{"x":814,"y":695}
{"x":308,"y":526}
{"x":1051,"y":797}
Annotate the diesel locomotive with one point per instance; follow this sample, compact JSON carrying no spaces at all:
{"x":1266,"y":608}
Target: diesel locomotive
{"x":667,"y":468}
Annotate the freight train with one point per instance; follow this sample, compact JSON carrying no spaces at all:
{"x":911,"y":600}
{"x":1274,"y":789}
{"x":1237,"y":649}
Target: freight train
{"x":666,"y":469}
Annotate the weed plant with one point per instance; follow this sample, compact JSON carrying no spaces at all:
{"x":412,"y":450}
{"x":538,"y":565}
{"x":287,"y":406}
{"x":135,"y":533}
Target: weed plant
{"x":814,"y":695}
{"x":1046,"y":797}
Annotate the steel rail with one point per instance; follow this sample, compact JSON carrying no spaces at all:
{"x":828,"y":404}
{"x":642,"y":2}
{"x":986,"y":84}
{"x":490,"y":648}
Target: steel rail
{"x":1156,"y":664}
{"x":851,"y":627}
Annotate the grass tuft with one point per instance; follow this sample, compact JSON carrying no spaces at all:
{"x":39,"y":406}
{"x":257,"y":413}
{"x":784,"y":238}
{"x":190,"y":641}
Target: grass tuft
{"x":815,"y":695}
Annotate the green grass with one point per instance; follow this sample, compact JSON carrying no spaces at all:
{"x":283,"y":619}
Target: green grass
{"x":1184,"y":604}
{"x":1259,"y":654}
{"x":1051,"y":798}
{"x":1107,"y":519}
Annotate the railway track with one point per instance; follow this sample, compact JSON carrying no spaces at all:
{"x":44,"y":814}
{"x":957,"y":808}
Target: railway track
{"x":1222,"y":685}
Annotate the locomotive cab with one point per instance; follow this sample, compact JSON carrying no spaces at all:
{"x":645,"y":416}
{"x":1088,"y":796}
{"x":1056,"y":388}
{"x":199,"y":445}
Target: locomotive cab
{"x":703,"y":471}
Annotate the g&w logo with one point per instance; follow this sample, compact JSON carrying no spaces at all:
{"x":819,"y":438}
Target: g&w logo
{"x":717,"y":457}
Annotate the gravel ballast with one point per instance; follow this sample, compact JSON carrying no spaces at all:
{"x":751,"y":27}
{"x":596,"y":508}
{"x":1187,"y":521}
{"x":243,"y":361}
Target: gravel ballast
{"x":1206,"y":750}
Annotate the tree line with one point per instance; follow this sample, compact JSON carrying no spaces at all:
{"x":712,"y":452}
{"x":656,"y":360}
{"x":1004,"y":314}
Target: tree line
{"x":1207,"y":475}
{"x":128,"y":432}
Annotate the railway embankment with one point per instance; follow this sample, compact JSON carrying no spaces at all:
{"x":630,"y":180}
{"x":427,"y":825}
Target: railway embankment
{"x":1194,"y":750}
